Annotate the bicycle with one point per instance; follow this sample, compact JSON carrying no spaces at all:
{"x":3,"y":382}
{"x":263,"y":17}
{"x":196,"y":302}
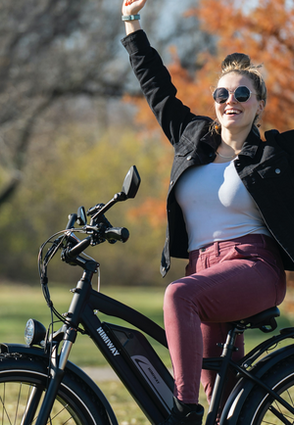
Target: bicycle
{"x":39,"y":385}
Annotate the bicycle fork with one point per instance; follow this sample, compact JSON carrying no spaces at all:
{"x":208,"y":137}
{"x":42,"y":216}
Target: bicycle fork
{"x":55,"y":376}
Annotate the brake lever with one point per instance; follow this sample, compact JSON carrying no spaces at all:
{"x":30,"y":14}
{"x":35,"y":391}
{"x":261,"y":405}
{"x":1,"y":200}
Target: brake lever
{"x":96,"y":232}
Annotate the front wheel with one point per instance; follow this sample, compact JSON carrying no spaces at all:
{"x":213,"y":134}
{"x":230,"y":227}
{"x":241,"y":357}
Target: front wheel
{"x":23,"y":381}
{"x":262,"y":409}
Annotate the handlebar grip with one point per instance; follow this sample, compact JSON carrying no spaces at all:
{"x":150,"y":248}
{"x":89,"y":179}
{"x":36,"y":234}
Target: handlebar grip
{"x":78,"y":249}
{"x":117,"y":234}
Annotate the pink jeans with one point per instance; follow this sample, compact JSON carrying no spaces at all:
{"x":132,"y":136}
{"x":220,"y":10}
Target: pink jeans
{"x":225,"y":281}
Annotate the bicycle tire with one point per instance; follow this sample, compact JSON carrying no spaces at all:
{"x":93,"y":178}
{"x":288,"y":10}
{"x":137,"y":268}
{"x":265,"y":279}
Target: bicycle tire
{"x":260,"y":408}
{"x":75,"y":404}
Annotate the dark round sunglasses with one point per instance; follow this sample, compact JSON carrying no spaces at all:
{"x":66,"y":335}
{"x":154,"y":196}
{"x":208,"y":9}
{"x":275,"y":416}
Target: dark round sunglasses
{"x":241,"y":94}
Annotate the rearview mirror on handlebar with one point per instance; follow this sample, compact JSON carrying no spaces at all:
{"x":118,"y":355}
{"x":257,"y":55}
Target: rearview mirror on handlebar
{"x":81,"y":216}
{"x":130,"y":187}
{"x":131,"y":182}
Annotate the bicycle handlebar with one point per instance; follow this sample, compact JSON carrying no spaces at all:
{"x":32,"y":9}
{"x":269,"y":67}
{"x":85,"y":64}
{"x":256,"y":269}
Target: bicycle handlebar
{"x":98,"y":235}
{"x":98,"y":231}
{"x":117,"y":234}
{"x":72,"y":253}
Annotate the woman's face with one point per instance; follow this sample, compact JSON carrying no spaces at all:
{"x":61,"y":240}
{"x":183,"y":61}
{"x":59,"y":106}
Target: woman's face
{"x":233,"y":115}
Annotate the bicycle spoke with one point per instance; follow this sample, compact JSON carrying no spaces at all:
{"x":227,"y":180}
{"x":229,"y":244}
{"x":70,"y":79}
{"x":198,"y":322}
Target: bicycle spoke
{"x":4,"y":411}
{"x":279,"y":415}
{"x":64,"y":409}
{"x":17,"y":405}
{"x":18,"y":408}
{"x":23,"y":385}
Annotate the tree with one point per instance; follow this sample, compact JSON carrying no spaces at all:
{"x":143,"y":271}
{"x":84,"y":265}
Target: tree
{"x":81,"y":170}
{"x":63,"y":72}
{"x":49,"y":50}
{"x":52,"y":50}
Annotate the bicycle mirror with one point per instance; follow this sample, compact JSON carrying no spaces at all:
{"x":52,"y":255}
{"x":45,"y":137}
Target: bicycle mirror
{"x":131,"y":182}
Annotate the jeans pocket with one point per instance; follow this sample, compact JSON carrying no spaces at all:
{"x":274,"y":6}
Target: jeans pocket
{"x":241,"y":252}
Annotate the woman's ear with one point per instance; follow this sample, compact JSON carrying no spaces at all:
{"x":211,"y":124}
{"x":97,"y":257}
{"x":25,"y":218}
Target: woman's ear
{"x":261,"y":107}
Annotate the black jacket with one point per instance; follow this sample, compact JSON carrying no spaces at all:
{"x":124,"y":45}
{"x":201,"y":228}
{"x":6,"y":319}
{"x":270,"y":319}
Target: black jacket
{"x":266,"y":168}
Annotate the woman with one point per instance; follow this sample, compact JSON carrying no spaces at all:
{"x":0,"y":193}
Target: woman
{"x":230,"y":210}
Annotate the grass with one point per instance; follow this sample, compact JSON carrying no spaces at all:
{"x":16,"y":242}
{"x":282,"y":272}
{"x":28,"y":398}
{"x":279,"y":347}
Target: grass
{"x":19,"y":302}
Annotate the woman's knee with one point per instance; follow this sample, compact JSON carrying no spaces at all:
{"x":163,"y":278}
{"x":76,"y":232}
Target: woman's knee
{"x":176,"y":295}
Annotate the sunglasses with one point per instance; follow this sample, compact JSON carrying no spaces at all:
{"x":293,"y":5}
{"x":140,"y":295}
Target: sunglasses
{"x":241,"y":94}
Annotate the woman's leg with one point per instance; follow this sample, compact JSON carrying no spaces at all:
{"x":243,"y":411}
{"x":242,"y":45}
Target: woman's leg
{"x":233,"y":280}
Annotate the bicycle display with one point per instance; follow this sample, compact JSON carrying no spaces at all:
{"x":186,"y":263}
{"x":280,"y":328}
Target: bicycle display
{"x":39,"y":385}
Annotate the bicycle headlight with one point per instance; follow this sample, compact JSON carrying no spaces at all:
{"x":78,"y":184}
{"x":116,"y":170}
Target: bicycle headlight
{"x":34,"y":333}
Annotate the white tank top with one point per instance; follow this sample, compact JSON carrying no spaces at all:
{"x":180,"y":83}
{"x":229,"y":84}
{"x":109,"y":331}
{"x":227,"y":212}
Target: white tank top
{"x":216,"y":205}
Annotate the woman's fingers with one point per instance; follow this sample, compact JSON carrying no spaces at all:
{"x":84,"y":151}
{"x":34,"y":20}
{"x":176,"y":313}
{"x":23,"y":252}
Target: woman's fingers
{"x":132,"y":7}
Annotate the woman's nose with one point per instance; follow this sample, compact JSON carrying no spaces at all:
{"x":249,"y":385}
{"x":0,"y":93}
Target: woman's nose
{"x":231,"y":98}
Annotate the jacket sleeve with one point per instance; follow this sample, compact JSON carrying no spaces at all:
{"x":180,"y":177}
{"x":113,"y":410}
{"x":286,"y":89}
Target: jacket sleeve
{"x":157,"y":87}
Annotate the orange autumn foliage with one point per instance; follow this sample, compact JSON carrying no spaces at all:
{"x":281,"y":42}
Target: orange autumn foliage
{"x":265,"y":31}
{"x":152,"y":209}
{"x":195,"y":93}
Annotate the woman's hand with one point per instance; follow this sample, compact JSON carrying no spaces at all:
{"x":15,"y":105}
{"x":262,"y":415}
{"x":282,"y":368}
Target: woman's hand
{"x":132,"y":7}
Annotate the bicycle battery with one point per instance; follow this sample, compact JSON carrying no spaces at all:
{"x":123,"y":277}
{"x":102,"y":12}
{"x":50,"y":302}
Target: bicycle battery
{"x":138,"y":349}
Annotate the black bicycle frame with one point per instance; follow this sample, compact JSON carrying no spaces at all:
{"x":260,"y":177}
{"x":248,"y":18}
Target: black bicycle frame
{"x":134,"y":360}
{"x":126,"y":350}
{"x":129,"y":353}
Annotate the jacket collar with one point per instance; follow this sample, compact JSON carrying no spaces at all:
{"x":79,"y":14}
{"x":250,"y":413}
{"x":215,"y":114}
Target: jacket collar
{"x":249,"y":149}
{"x":212,"y":140}
{"x":251,"y":145}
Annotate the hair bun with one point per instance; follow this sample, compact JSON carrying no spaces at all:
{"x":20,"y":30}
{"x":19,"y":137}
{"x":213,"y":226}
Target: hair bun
{"x":236,"y":61}
{"x":241,"y":64}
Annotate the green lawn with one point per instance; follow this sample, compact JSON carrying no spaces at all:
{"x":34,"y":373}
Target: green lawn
{"x":19,"y":302}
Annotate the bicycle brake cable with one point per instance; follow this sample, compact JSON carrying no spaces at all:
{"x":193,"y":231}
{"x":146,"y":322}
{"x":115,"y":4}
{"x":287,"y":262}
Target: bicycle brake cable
{"x":43,"y":266}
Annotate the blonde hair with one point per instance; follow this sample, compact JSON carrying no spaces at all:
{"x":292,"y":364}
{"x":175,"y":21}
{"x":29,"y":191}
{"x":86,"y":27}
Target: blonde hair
{"x":241,"y":64}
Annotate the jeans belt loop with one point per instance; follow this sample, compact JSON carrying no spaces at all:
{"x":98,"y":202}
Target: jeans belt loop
{"x":216,"y":249}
